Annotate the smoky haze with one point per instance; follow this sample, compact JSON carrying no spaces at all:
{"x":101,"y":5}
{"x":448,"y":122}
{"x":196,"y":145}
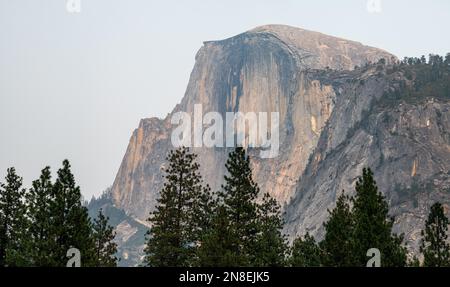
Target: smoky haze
{"x":75,"y":85}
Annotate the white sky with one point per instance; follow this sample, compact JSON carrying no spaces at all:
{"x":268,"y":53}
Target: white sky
{"x":75,"y":85}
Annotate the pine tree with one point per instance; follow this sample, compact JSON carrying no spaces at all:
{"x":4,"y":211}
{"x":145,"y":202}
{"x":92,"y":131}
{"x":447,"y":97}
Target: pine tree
{"x":373,"y":227}
{"x":305,"y":252}
{"x":238,"y":196}
{"x":447,"y":59}
{"x":199,"y":213}
{"x":218,"y":242}
{"x":337,"y":244}
{"x":423,"y":60}
{"x":270,"y":243}
{"x":174,"y":235}
{"x":13,"y":223}
{"x":39,"y":237}
{"x":434,"y":245}
{"x":71,"y":226}
{"x":105,"y":247}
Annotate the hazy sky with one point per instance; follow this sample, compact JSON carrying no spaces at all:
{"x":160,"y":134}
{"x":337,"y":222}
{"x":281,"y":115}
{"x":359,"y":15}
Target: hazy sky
{"x":75,"y":85}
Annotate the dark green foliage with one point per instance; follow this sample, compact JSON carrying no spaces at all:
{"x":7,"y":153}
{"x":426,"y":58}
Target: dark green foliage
{"x":105,"y":248}
{"x":414,"y":262}
{"x":39,"y":198}
{"x":200,"y":217}
{"x":237,"y":231}
{"x":305,"y":252}
{"x":429,"y":80}
{"x":271,"y":244}
{"x":358,"y":224}
{"x":243,"y":232}
{"x":218,"y":242}
{"x":338,"y":242}
{"x":173,"y":238}
{"x":238,"y":198}
{"x":71,"y":226}
{"x":13,"y":223}
{"x":434,"y":246}
{"x":192,"y":229}
{"x":43,"y":224}
{"x":372,"y":225}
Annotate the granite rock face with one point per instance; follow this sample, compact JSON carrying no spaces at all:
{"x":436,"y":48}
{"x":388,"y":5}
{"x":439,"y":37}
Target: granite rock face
{"x":407,"y":145}
{"x":262,"y":70}
{"x":330,"y":127}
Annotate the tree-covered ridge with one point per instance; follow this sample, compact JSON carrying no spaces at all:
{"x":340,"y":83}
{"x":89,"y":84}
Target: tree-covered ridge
{"x":40,"y":226}
{"x":425,"y":79}
{"x":411,"y":80}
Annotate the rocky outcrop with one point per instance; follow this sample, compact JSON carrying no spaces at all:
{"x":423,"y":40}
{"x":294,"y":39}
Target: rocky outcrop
{"x":262,"y":70}
{"x":406,"y":144}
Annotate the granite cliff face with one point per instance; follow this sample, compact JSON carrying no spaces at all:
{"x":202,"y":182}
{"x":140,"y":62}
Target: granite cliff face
{"x":331,"y":125}
{"x":262,"y":70}
{"x":407,"y":145}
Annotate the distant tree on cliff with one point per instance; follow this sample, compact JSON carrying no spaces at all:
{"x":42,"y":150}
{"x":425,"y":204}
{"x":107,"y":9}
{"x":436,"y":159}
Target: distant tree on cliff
{"x":447,"y":59}
{"x":434,"y":245}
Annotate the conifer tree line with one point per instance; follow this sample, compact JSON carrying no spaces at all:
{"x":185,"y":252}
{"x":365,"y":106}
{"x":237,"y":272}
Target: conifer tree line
{"x":38,"y":226}
{"x":238,"y":226}
{"x":192,"y":225}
